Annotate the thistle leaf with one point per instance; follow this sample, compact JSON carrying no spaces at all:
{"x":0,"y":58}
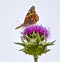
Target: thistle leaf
{"x":27,"y":38}
{"x":22,"y":50}
{"x":23,"y":44}
{"x":45,"y":51}
{"x":38,"y":39}
{"x":42,"y":37}
{"x":33,"y":35}
{"x":48,"y":44}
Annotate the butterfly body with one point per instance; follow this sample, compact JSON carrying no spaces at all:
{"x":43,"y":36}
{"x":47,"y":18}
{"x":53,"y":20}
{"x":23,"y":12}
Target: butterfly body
{"x":30,"y":19}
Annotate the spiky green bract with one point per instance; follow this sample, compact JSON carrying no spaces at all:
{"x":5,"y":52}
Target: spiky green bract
{"x":35,"y":44}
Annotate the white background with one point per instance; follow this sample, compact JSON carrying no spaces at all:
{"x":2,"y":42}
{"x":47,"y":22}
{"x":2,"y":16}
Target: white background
{"x":12,"y":13}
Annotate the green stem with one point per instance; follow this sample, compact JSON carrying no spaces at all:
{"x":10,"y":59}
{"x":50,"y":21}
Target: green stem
{"x":35,"y":59}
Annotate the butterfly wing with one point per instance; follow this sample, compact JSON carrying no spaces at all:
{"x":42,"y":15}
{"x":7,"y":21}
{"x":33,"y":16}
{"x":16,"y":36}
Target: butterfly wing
{"x":31,"y":16}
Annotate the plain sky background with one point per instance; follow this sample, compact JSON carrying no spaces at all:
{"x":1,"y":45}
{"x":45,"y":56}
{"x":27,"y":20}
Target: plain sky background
{"x":12,"y":13}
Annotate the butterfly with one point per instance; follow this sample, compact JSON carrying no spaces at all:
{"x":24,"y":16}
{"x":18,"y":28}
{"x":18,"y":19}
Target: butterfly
{"x":30,"y":19}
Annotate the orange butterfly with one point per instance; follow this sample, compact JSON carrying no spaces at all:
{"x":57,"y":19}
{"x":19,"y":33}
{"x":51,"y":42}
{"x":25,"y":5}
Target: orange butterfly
{"x":31,"y":18}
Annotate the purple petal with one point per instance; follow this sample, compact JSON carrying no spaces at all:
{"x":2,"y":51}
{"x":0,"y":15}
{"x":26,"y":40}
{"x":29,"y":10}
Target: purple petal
{"x":35,"y":28}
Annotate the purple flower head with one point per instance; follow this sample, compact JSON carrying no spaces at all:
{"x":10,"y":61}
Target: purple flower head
{"x":35,"y":28}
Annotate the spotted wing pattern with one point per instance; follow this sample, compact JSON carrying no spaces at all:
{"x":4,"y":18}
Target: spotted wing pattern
{"x":31,"y":18}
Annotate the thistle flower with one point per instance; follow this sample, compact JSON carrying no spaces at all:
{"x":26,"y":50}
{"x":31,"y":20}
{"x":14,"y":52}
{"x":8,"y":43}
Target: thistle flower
{"x":33,"y":42}
{"x":37,"y":29}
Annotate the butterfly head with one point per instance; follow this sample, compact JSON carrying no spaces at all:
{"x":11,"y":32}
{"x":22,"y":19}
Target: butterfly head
{"x":33,"y":8}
